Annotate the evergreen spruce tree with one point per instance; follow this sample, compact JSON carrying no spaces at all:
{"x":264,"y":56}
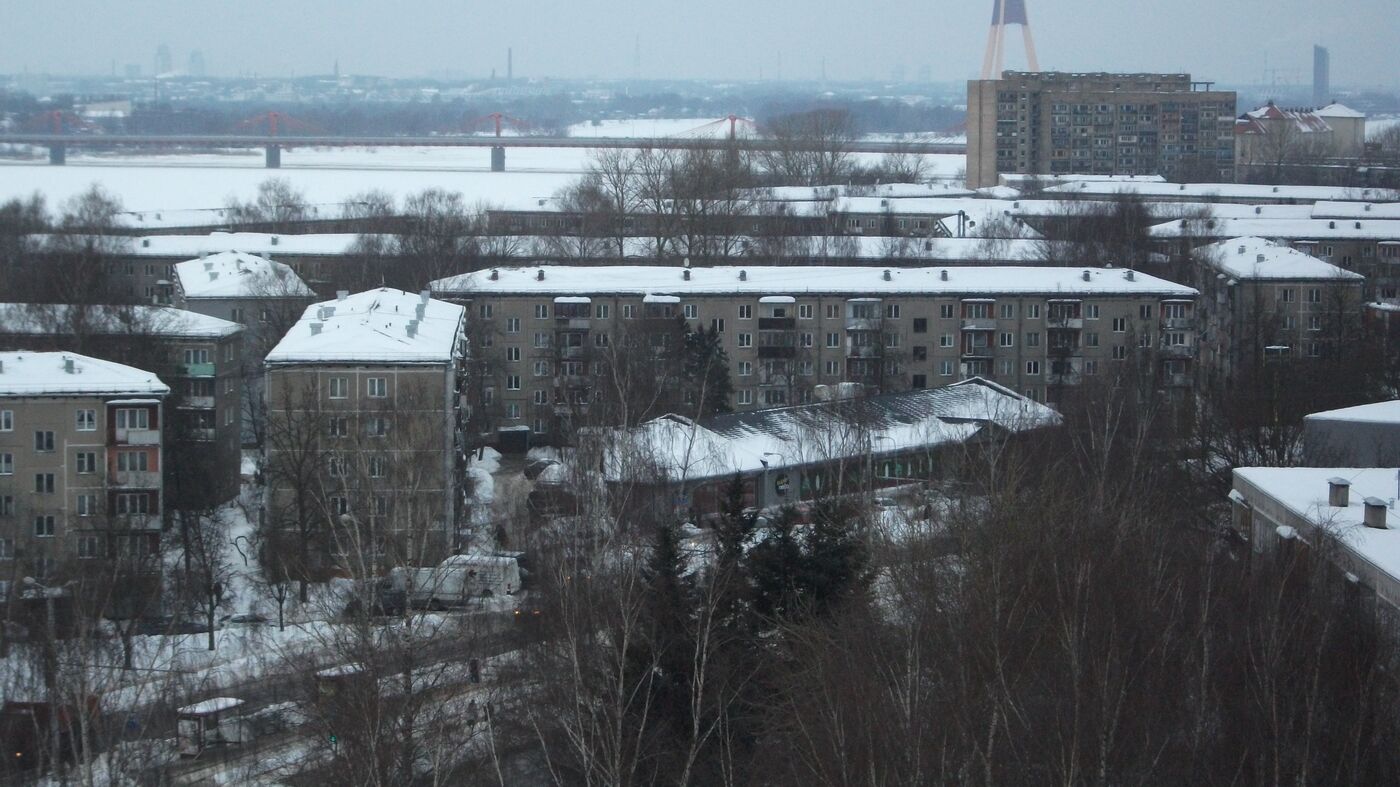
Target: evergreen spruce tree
{"x":706,"y":370}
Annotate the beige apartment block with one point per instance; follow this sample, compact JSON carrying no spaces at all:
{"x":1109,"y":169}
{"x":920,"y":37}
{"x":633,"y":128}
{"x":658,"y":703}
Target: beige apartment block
{"x":1054,"y":123}
{"x":787,"y":330}
{"x":365,"y":448}
{"x":81,"y":457}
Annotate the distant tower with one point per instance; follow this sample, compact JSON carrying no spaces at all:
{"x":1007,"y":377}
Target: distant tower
{"x":510,"y":64}
{"x":163,"y":62}
{"x":1006,"y":12}
{"x":1322,"y":76}
{"x":196,"y":64}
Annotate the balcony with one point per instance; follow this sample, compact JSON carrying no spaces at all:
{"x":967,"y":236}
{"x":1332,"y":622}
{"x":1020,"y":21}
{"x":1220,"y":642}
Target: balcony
{"x":571,"y":323}
{"x":979,"y":324}
{"x":1065,"y":323}
{"x":1178,"y":351}
{"x":863,"y":323}
{"x":571,"y":353}
{"x":1178,"y":381}
{"x":138,"y":436}
{"x":197,"y":370}
{"x":1067,"y":378}
{"x":777,"y":352}
{"x":136,"y":479}
{"x":197,"y":403}
{"x":1178,"y":324}
{"x":203,"y":435}
{"x":777,"y":323}
{"x":149,"y":522}
{"x":863,"y":351}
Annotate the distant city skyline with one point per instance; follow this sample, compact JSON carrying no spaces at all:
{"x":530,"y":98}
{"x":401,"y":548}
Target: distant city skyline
{"x":1241,"y":42}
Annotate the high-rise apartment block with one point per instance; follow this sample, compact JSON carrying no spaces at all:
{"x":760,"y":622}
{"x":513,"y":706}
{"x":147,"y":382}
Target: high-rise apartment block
{"x":1053,"y":123}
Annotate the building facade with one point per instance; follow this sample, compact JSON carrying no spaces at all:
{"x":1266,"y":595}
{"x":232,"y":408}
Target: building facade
{"x":1054,"y":123}
{"x":1038,"y":331}
{"x":365,"y":448}
{"x":81,"y":460}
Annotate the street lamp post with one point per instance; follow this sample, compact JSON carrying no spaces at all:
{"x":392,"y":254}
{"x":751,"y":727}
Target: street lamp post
{"x":764,"y":481}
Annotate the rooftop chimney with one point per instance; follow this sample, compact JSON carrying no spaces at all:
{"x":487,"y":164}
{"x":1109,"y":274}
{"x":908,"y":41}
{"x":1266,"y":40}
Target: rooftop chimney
{"x":412,"y":328}
{"x":420,"y":309}
{"x":495,"y":274}
{"x":315,"y":329}
{"x":341,"y":295}
{"x":1128,"y":274}
{"x":2,"y":367}
{"x":1358,"y":225}
{"x":943,"y":275}
{"x":1331,"y":225}
{"x":1085,"y":275}
{"x":1258,"y":258}
{"x":213,"y":275}
{"x":685,"y":274}
{"x":273,"y":240}
{"x":68,"y":365}
{"x":146,"y":242}
{"x":1375,"y":513}
{"x":887,"y":274}
{"x":208,"y":266}
{"x":539,"y":275}
{"x":1241,"y":248}
{"x":1338,"y":492}
{"x":743,"y":275}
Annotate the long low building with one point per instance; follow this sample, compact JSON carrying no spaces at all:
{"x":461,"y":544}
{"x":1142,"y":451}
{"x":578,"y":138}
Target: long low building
{"x":1037,"y":330}
{"x":791,"y":454}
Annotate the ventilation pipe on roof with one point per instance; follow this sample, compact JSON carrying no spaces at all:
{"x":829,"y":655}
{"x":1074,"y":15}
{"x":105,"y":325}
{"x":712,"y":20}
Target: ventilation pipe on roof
{"x":1338,"y":492}
{"x":1358,"y":225}
{"x":743,"y":275}
{"x":1331,"y":225}
{"x":1085,"y":275}
{"x":2,"y":367}
{"x":1128,"y":274}
{"x":315,"y":329}
{"x":420,"y":309}
{"x":539,"y":275}
{"x":1258,"y":210}
{"x":928,"y":245}
{"x":1258,"y":258}
{"x":146,"y":242}
{"x":341,"y":295}
{"x":1241,"y":248}
{"x":411,"y":328}
{"x":887,"y":274}
{"x":1375,"y":513}
{"x":213,"y":276}
{"x":273,"y":240}
{"x":68,"y":365}
{"x":424,"y":296}
{"x":685,"y":274}
{"x":495,"y":274}
{"x":1366,"y":207}
{"x":943,"y":275}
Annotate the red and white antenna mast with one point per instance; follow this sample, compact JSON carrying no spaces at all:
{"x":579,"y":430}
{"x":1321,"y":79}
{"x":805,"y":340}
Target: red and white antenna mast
{"x":1007,"y":12}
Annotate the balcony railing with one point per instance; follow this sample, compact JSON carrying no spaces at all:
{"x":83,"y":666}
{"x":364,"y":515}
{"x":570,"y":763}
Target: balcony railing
{"x":1065,"y":378}
{"x":202,"y":435}
{"x":1178,"y":323}
{"x":1178,"y":381}
{"x":863,"y":351}
{"x":863,"y":323}
{"x":1178,"y":351}
{"x":979,"y":324}
{"x":777,"y":352}
{"x":197,"y":370}
{"x":572,"y":323}
{"x":138,"y":436}
{"x":198,"y":403}
{"x":777,"y":323}
{"x":571,"y":353}
{"x":136,"y":479}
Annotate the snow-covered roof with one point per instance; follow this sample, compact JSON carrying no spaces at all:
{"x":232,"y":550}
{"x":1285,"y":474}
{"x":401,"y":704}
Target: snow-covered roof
{"x":1336,"y":110}
{"x":1290,"y":229}
{"x":1205,"y":191}
{"x":62,"y":373}
{"x":383,"y":325}
{"x":675,"y":448}
{"x":1017,"y":179}
{"x":211,"y":705}
{"x":1263,"y":119}
{"x":56,"y":319}
{"x":233,"y":274}
{"x":1303,"y":491}
{"x":260,"y":243}
{"x":1374,"y":413}
{"x":1355,"y":210}
{"x":639,"y":280}
{"x":1259,"y":259}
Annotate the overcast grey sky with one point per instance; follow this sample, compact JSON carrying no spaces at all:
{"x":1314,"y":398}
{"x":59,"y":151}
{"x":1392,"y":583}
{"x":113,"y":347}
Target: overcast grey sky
{"x":1229,"y":40}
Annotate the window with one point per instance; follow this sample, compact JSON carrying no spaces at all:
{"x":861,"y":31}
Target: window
{"x":1145,"y":339}
{"x":512,"y":354}
{"x":1032,"y":367}
{"x":7,"y":505}
{"x":1007,"y":311}
{"x":513,"y":411}
{"x":377,"y":426}
{"x":1033,"y":339}
{"x":804,"y":311}
{"x":945,"y":311}
{"x":746,"y":312}
{"x":920,"y":325}
{"x":1091,"y":367}
{"x":339,"y":505}
{"x":7,"y":548}
{"x":87,"y":547}
{"x":1091,"y":340}
{"x":512,"y":382}
{"x":541,"y":368}
{"x":133,"y":419}
{"x":335,"y":466}
{"x":340,"y":387}
{"x":1314,"y":295}
{"x":7,"y":464}
{"x":945,"y":368}
{"x":745,"y":396}
{"x":1120,"y":352}
{"x":920,"y":352}
{"x":1145,"y":311}
{"x":717,"y":325}
{"x":133,"y":461}
{"x":808,"y":340}
{"x":541,"y":397}
{"x":833,"y":311}
{"x":892,"y":311}
{"x":486,"y":311}
{"x":488,"y":395}
{"x":541,"y":339}
{"x":1120,"y":324}
{"x":1091,"y":311}
{"x":43,"y":526}
{"x":691,"y":311}
{"x":745,"y":340}
{"x":833,"y":340}
{"x":43,"y":441}
{"x":832,"y":367}
{"x":891,"y":340}
{"x":1174,"y":311}
{"x":1174,"y":339}
{"x":1007,"y":339}
{"x":1006,"y":367}
{"x":946,"y":340}
{"x":7,"y":420}
{"x":1314,"y":323}
{"x":235,"y":314}
{"x":745,"y":368}
{"x":87,"y":462}
{"x":773,"y":397}
{"x":194,"y":356}
{"x":541,"y":311}
{"x":339,"y":426}
{"x":627,"y":311}
{"x":43,"y":483}
{"x":1285,"y":294}
{"x":806,"y":368}
{"x":85,"y":420}
{"x":512,"y":325}
{"x":1032,"y":311}
{"x":918,"y":381}
{"x":600,"y":340}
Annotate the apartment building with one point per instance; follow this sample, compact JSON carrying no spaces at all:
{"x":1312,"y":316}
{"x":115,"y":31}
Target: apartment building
{"x":200,"y":357}
{"x":1054,"y":123}
{"x":786,"y":330}
{"x":365,"y":449}
{"x":1262,"y":301}
{"x":81,"y":455}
